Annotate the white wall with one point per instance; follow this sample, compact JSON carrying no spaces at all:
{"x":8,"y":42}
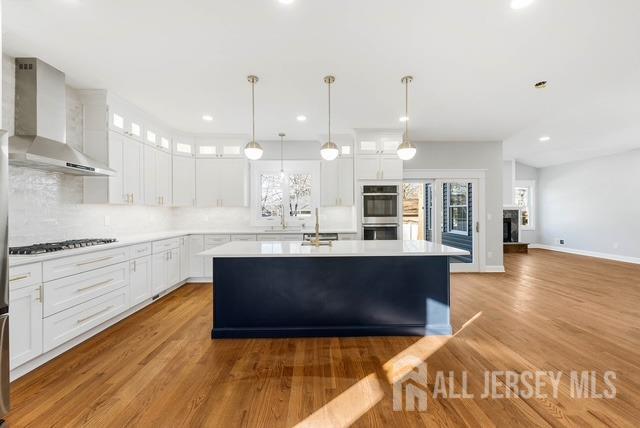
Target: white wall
{"x":471,"y":155}
{"x":507,"y":182}
{"x":526,"y":172}
{"x":593,"y":205}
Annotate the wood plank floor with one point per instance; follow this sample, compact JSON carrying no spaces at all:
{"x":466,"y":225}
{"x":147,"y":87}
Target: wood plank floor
{"x":550,"y":311}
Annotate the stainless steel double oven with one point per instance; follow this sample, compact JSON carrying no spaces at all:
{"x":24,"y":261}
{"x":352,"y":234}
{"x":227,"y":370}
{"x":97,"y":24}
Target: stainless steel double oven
{"x":380,"y":219}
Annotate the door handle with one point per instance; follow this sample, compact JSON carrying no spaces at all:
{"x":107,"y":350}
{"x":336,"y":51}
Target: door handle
{"x":477,"y":227}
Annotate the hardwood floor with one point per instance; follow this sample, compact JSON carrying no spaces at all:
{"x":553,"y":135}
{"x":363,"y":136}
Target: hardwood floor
{"x":549,"y":312}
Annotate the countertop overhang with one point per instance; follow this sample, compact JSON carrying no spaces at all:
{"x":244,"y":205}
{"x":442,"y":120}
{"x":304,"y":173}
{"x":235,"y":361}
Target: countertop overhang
{"x":243,"y":249}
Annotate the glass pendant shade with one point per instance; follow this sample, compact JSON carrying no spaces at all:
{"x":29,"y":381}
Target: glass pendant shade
{"x":407,"y":150}
{"x":253,"y":150}
{"x":329,"y":151}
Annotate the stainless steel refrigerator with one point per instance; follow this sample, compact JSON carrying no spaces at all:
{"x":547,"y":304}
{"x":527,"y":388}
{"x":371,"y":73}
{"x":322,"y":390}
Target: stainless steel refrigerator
{"x":4,"y":277}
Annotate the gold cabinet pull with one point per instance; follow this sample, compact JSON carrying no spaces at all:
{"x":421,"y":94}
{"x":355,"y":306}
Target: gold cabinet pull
{"x":94,"y":261}
{"x":95,"y":285}
{"x":83,"y":320}
{"x":18,"y":278}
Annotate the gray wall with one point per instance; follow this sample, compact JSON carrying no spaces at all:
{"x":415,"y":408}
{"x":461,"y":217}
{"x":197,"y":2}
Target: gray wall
{"x":593,"y":205}
{"x":471,"y":155}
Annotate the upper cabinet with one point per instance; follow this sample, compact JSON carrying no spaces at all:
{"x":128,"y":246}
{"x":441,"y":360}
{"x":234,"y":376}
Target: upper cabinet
{"x":222,"y":182}
{"x":184,"y":146}
{"x":377,"y":155}
{"x":220,"y":147}
{"x":337,"y":185}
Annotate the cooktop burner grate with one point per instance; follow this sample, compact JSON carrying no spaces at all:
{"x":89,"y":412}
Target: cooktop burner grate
{"x":50,"y":247}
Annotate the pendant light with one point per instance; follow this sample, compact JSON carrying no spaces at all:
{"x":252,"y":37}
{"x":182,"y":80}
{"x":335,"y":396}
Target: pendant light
{"x":253,"y":150}
{"x":329,"y":150}
{"x":282,"y":135}
{"x":406,"y":150}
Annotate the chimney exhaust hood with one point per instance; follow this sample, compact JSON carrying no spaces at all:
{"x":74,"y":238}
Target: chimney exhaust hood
{"x":40,"y":123}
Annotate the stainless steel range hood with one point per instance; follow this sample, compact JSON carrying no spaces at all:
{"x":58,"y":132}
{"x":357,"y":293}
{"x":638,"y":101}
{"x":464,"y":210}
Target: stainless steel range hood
{"x":40,"y":123}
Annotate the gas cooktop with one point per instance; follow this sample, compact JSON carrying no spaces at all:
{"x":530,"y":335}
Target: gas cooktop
{"x":50,"y":247}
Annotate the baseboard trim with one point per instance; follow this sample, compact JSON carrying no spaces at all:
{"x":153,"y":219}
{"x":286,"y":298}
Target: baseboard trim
{"x":607,"y":256}
{"x":494,"y":269}
{"x":42,"y":359}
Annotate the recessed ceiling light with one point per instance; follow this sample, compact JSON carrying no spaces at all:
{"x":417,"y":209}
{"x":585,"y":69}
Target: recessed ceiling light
{"x":285,"y":1}
{"x":301,"y":118}
{"x":520,"y":4}
{"x":207,"y":117}
{"x":541,"y":84}
{"x":544,"y":138}
{"x":403,"y":118}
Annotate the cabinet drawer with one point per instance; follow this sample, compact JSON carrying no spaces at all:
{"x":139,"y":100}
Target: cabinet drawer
{"x":70,"y":291}
{"x":279,"y":237}
{"x":348,"y":236}
{"x":68,"y":324}
{"x":68,"y":266}
{"x":24,"y":276}
{"x":165,"y":244}
{"x":141,"y":250}
{"x":211,"y":241}
{"x":243,"y":238}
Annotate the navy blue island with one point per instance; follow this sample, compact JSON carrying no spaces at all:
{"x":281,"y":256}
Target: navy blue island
{"x":352,"y":288}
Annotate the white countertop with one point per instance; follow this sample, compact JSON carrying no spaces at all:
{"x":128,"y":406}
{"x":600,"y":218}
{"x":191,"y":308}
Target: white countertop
{"x":19,"y":260}
{"x":338,"y":249}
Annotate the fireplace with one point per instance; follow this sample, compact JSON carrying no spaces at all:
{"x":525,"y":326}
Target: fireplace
{"x":510,"y":229}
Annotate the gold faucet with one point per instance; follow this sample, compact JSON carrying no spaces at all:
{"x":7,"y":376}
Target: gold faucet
{"x":316,"y":242}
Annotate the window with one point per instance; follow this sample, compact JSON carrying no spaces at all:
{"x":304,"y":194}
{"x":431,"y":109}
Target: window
{"x":524,"y":199}
{"x":294,"y":193}
{"x":118,"y":121}
{"x":458,"y":208}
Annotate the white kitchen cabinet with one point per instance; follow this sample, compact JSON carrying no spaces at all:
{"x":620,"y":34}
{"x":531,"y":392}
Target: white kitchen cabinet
{"x":132,"y":171}
{"x":66,"y":325}
{"x":212,"y":241}
{"x":159,"y":275}
{"x":157,"y":177}
{"x":221,"y":182}
{"x":25,"y":324}
{"x":166,"y":270}
{"x":184,"y":146}
{"x":337,"y":184}
{"x":380,"y":168}
{"x":140,"y":279}
{"x":184,"y":181}
{"x":378,"y":143}
{"x":185,"y":255}
{"x":223,"y":147}
{"x":173,"y":269}
{"x":196,"y":262}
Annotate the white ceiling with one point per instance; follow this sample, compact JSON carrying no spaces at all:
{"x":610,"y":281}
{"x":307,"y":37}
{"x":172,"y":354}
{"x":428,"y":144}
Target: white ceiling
{"x":474,"y":64}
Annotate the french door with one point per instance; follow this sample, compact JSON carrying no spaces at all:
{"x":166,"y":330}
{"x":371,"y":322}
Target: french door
{"x":446,"y":213}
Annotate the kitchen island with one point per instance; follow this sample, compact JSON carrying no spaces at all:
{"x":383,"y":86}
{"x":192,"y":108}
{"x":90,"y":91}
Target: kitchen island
{"x":351,"y":288}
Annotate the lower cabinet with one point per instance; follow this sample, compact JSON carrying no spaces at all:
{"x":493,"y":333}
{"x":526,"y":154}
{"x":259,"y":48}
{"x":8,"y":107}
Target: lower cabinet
{"x":196,"y":262}
{"x":65,"y":325}
{"x":211,"y":241}
{"x":140,"y":279}
{"x":185,"y":254}
{"x":25,"y":324}
{"x":166,"y":270}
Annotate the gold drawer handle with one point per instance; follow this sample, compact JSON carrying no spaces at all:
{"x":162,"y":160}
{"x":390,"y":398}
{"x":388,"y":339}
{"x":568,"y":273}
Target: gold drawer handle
{"x":94,"y":261}
{"x":83,"y":320}
{"x":18,"y":278}
{"x":95,"y":285}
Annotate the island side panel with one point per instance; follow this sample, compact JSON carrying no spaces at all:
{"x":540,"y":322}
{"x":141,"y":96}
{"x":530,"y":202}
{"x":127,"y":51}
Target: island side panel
{"x":331,"y":296}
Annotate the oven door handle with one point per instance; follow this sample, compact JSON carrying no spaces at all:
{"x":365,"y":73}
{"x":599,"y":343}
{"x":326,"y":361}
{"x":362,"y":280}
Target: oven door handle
{"x":379,"y":194}
{"x":378,"y":225}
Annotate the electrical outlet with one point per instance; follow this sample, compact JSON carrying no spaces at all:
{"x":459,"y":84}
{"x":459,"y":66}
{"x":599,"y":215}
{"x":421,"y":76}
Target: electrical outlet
{"x":558,"y":241}
{"x":107,"y":220}
{"x":562,"y":242}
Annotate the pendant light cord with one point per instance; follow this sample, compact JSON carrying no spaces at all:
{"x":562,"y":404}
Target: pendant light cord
{"x":406,"y":109}
{"x":329,"y":84}
{"x":253,"y":109}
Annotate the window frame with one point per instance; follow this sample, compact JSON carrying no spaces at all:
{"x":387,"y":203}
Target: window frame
{"x":531,"y":186}
{"x":449,"y":207}
{"x":258,"y":168}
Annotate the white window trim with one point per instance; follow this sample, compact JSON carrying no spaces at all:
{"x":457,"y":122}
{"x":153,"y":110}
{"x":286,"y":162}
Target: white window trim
{"x":531,"y":184}
{"x":273,"y":167}
{"x":449,"y":206}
